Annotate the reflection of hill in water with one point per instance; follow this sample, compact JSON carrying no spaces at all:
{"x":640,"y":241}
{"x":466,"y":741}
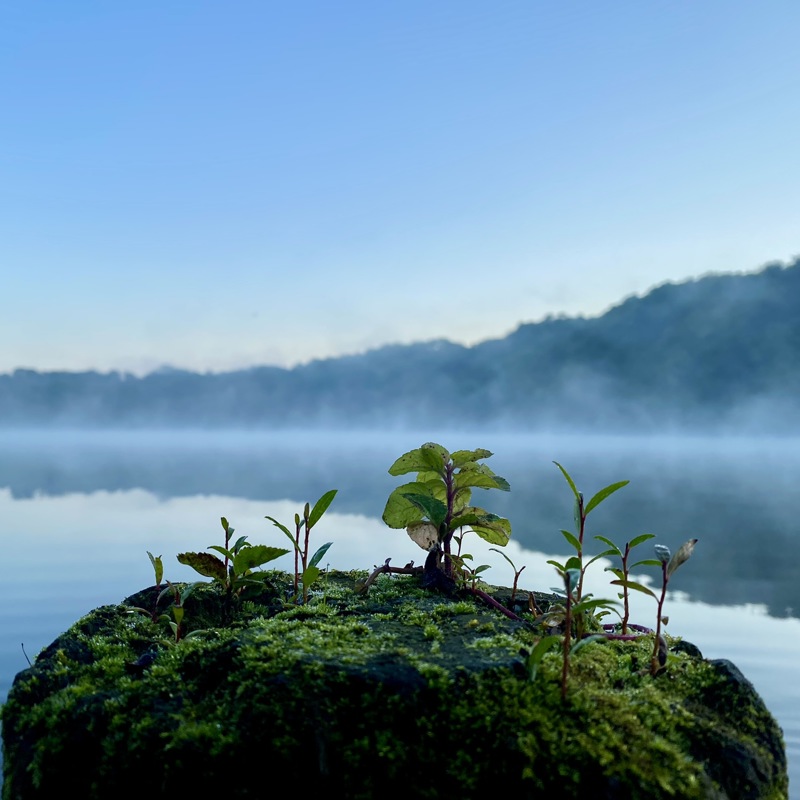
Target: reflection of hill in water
{"x":736,"y":498}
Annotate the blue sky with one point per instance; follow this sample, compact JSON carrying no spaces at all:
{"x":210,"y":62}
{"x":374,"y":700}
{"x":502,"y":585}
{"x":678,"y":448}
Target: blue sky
{"x":212,"y":185}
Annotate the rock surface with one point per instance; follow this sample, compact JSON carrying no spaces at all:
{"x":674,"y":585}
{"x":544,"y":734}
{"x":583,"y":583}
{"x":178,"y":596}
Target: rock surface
{"x":394,"y":692}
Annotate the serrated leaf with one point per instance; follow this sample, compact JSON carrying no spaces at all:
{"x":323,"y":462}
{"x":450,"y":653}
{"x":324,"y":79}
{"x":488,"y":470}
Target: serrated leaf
{"x":496,"y":531}
{"x":462,"y":457}
{"x":435,"y":510}
{"x":399,"y":511}
{"x":682,"y":556}
{"x":419,"y":460}
{"x":602,"y":495}
{"x":254,"y":556}
{"x":479,"y":476}
{"x":320,"y":507}
{"x":204,"y":563}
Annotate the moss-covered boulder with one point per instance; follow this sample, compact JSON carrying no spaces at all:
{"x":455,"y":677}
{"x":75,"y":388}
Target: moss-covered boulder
{"x":396,"y":692}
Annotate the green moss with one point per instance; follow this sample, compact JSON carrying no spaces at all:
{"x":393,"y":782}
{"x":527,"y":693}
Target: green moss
{"x":355,"y":693}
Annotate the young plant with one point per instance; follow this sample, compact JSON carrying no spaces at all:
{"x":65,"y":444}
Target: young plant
{"x":306,"y":570}
{"x":437,"y":504}
{"x":179,"y":598}
{"x":568,"y":614}
{"x":623,"y":572}
{"x":576,"y":539}
{"x":517,"y":573}
{"x":233,"y":572}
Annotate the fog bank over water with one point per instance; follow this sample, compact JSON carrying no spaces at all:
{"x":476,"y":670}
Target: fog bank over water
{"x":729,"y":493}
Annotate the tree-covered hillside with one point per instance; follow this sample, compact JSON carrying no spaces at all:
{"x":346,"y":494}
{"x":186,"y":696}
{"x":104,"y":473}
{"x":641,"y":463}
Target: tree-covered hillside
{"x":722,"y":351}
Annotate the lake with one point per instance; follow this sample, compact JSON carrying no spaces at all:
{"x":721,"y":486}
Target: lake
{"x":79,"y":511}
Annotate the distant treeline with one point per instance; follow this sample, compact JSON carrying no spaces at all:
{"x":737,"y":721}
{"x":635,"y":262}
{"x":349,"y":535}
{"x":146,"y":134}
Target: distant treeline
{"x":719,"y":352}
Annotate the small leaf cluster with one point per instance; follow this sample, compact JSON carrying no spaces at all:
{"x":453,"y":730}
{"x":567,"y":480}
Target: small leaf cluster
{"x":438,"y":503}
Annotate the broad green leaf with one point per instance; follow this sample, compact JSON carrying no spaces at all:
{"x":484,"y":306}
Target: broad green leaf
{"x":611,"y":544}
{"x":419,"y":460}
{"x":225,"y":525}
{"x":496,"y":531}
{"x":615,"y":571}
{"x":310,"y":574}
{"x":158,"y":567}
{"x":602,"y":494}
{"x":317,"y":557}
{"x":204,"y":563}
{"x":641,"y":538}
{"x":480,"y":476}
{"x":400,"y":512}
{"x":569,"y":480}
{"x":481,"y":568}
{"x":574,"y":563}
{"x":320,"y":507}
{"x":435,"y":510}
{"x":572,"y":539}
{"x":435,"y":456}
{"x":684,"y":553}
{"x":254,"y":556}
{"x":462,"y":457}
{"x":560,"y":567}
{"x":639,"y":587}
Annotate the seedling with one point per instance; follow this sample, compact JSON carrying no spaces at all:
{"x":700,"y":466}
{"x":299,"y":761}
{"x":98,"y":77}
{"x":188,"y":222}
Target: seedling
{"x":306,"y":570}
{"x":668,"y":564}
{"x":623,"y":572}
{"x":437,"y":504}
{"x":576,"y":540}
{"x":567,"y":615}
{"x":234,"y":572}
{"x":517,"y":573}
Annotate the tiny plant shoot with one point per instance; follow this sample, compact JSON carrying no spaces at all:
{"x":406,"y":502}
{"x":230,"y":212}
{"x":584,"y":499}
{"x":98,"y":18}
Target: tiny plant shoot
{"x":668,"y":564}
{"x":234,"y":571}
{"x":306,"y":570}
{"x":576,"y":539}
{"x":438,"y":503}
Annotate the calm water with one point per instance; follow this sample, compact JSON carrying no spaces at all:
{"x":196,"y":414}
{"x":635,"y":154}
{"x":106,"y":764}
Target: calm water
{"x":79,"y":511}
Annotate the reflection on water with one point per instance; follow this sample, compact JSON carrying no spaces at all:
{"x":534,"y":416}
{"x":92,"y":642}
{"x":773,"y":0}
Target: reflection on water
{"x":735,"y":496}
{"x":79,"y":512}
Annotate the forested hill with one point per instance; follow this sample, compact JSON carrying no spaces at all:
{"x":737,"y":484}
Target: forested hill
{"x":720,"y":352}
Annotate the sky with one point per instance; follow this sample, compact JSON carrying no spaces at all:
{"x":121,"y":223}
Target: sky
{"x":215,"y":185}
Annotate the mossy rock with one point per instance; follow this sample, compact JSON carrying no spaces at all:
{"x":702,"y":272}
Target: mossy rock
{"x":399,"y":692}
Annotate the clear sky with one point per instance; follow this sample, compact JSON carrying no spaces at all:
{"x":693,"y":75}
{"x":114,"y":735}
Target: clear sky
{"x":212,"y":185}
